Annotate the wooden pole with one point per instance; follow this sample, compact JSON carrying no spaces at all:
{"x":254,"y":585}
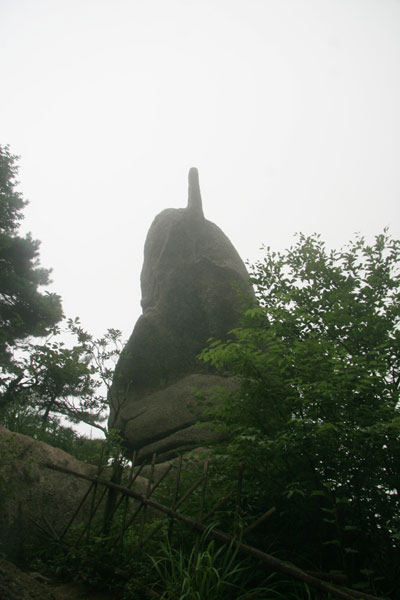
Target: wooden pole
{"x":271,"y":561}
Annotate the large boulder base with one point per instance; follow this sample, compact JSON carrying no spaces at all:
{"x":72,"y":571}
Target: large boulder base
{"x":33,"y":496}
{"x":172,"y":419}
{"x":194,"y":287}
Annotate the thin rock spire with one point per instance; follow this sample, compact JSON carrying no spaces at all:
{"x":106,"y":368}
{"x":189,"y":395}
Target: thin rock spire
{"x":195,"y":204}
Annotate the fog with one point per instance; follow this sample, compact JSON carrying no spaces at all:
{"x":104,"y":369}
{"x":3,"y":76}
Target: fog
{"x":289,"y":109}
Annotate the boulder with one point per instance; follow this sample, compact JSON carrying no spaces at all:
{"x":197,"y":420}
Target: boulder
{"x":32,"y":496}
{"x":194,"y":287}
{"x":168,"y":420}
{"x":17,"y":585}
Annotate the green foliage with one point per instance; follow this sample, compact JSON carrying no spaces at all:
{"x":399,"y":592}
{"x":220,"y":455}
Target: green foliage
{"x":316,"y":419}
{"x":27,"y":421}
{"x":11,"y":201}
{"x":53,"y":379}
{"x":205,"y":572}
{"x":90,"y":562}
{"x":103,"y":561}
{"x":192,"y":568}
{"x":24,"y":310}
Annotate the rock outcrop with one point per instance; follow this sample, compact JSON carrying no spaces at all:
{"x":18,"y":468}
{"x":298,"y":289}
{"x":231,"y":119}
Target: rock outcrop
{"x":33,"y":496}
{"x":194,"y":286}
{"x":19,"y":585}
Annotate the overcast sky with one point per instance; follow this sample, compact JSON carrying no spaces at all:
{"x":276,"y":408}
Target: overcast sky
{"x":290,"y":109}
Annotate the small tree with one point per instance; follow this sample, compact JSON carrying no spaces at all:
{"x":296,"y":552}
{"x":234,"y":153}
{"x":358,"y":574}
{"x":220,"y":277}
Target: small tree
{"x":316,"y":416}
{"x":58,"y":380}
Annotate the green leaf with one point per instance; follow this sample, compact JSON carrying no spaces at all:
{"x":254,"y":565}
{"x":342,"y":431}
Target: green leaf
{"x":332,"y":543}
{"x":351,"y":551}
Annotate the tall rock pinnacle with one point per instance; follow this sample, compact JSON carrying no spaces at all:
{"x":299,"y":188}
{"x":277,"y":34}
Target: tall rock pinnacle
{"x":195,"y":204}
{"x":191,"y":279}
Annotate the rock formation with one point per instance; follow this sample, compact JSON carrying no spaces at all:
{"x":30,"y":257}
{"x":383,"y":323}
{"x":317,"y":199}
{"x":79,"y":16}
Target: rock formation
{"x":194,"y":285}
{"x":35,"y":499}
{"x":17,"y":585}
{"x":32,"y":496}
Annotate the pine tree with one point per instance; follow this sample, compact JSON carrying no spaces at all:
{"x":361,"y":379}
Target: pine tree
{"x":24,"y":310}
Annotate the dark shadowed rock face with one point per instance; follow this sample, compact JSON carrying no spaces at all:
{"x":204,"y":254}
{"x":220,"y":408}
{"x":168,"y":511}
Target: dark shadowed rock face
{"x":194,"y":285}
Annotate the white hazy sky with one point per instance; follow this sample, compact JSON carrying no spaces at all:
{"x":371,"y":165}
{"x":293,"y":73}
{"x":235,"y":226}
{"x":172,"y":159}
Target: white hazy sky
{"x":290,"y":109}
